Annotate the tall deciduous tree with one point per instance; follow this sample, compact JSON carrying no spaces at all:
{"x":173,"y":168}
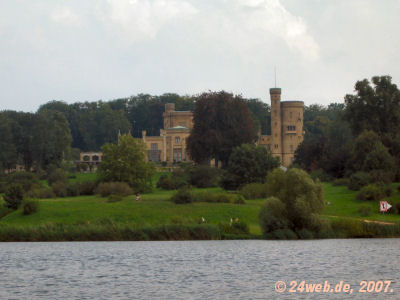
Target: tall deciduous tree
{"x":52,"y":138}
{"x":248,"y":163}
{"x":8,"y":151}
{"x":296,"y":202}
{"x":374,"y":107}
{"x":125,"y":162}
{"x":221,"y":123}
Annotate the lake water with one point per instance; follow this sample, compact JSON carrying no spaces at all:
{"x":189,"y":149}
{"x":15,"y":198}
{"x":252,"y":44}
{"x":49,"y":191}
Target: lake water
{"x":195,"y":269}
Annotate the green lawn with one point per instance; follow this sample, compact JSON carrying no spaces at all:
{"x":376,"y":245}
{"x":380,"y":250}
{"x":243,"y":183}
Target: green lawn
{"x":156,"y":209}
{"x":343,"y":203}
{"x":80,"y":177}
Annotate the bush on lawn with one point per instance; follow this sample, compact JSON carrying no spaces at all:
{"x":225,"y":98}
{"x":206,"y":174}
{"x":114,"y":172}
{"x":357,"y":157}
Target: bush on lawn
{"x":30,"y":207}
{"x":114,"y":188}
{"x":58,"y":175}
{"x":203,"y":176}
{"x":182,"y":196}
{"x":87,"y":188}
{"x":358,"y":180}
{"x":254,"y":191}
{"x":13,"y":196}
{"x":166,"y":182}
{"x":60,"y":189}
{"x":371,"y":192}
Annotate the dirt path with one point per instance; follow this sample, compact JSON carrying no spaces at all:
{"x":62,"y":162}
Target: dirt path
{"x":366,"y":221}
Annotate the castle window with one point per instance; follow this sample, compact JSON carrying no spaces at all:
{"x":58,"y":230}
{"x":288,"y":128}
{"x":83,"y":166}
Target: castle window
{"x":177,"y":140}
{"x":291,"y":128}
{"x":269,"y":146}
{"x":154,"y":154}
{"x":177,"y":155}
{"x":276,"y":146}
{"x":291,"y":148}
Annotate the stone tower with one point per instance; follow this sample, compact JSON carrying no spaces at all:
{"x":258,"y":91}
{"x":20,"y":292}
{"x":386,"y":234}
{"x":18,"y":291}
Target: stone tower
{"x":276,"y":122}
{"x":286,"y":127}
{"x":292,"y":129}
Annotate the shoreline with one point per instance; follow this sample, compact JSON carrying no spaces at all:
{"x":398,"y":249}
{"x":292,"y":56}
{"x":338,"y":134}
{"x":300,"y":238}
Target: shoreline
{"x":173,"y":232}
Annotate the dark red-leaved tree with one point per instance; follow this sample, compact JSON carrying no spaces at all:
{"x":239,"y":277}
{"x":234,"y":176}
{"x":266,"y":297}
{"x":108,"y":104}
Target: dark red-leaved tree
{"x":221,"y":122}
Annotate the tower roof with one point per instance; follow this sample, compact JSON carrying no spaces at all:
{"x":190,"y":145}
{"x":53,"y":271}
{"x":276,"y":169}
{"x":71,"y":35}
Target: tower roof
{"x":275,"y":91}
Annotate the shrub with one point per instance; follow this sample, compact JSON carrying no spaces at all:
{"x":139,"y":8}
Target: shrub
{"x":58,"y":175}
{"x":166,"y":182}
{"x":46,"y":193}
{"x":41,"y":193}
{"x":114,"y":188}
{"x":239,"y":199}
{"x":229,"y":181}
{"x":282,"y":234}
{"x":364,"y":211}
{"x":13,"y":196}
{"x":344,"y":228}
{"x":254,"y":191}
{"x":370,"y":192}
{"x":341,"y":181}
{"x":30,"y":207}
{"x":305,"y":234}
{"x":72,"y":190}
{"x":294,"y":204}
{"x":114,"y":198}
{"x":358,"y":180}
{"x":82,"y":167}
{"x":381,"y":176}
{"x":60,"y":189}
{"x":182,"y":196}
{"x":387,"y":190}
{"x":236,"y":227}
{"x":396,"y":208}
{"x":203,"y":176}
{"x":27,"y":180}
{"x":214,"y":197}
{"x":180,"y":177}
{"x":321,"y":175}
{"x":87,"y":188}
{"x":273,"y":216}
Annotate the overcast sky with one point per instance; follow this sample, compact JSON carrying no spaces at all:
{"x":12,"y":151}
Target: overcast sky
{"x":105,"y":49}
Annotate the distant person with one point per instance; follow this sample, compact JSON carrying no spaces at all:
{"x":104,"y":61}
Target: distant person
{"x":137,"y":196}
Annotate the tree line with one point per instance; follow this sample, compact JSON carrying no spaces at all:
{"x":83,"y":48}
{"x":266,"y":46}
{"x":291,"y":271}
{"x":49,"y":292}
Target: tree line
{"x":37,"y":140}
{"x":361,"y":135}
{"x":93,"y":124}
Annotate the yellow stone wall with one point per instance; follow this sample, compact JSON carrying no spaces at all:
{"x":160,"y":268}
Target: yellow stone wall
{"x":286,"y":127}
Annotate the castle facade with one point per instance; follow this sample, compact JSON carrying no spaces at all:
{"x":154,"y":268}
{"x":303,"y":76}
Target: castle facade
{"x":286,"y":132}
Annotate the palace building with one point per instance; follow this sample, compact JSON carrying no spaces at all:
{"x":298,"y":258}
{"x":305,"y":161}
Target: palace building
{"x":286,"y":127}
{"x":286,"y":132}
{"x":170,"y":145}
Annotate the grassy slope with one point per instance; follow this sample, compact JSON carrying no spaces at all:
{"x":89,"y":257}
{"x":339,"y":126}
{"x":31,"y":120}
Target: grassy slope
{"x":343,"y":203}
{"x":155,"y":208}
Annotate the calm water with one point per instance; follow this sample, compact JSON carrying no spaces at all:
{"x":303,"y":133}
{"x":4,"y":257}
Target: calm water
{"x":193,"y":270}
